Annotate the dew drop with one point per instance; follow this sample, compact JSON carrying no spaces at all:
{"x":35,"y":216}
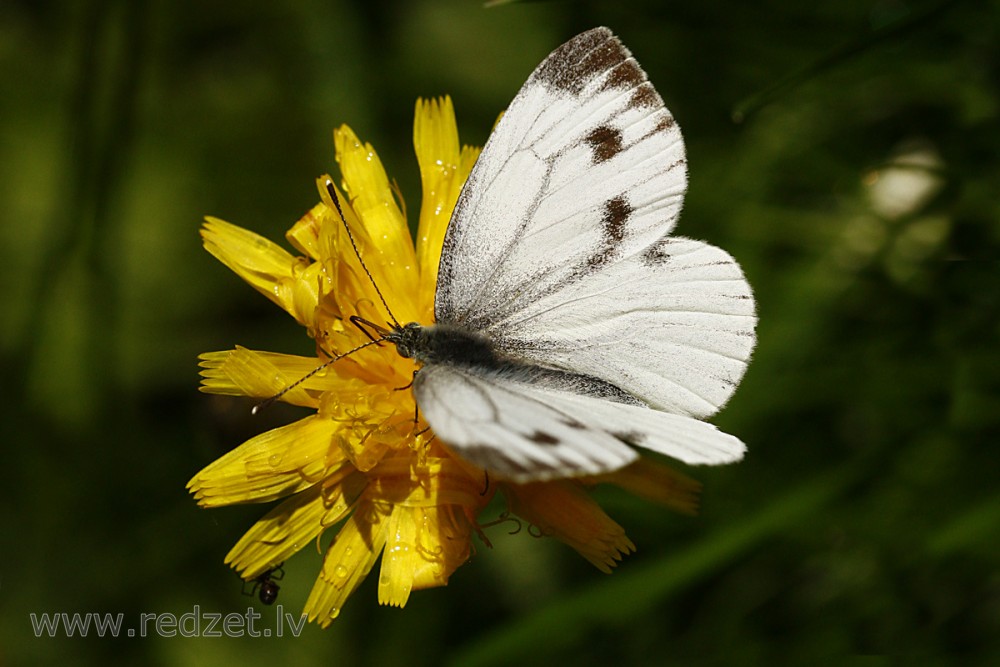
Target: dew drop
{"x":340,"y":571}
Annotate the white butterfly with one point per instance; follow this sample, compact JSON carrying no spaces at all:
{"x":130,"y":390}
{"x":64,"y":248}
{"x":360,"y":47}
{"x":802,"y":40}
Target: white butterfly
{"x":570,"y":324}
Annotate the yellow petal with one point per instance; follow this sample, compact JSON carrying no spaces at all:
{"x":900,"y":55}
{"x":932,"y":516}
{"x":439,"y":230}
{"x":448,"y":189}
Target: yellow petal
{"x":370,"y":194}
{"x":429,"y":534}
{"x":383,"y":239}
{"x":288,"y":281}
{"x":657,"y":482}
{"x":304,"y":235}
{"x":277,"y":463}
{"x":347,"y":562}
{"x":444,"y":166}
{"x":243,"y":372}
{"x":444,"y":543}
{"x":400,"y":558}
{"x":565,"y":511}
{"x":424,"y":546}
{"x":295,"y":523}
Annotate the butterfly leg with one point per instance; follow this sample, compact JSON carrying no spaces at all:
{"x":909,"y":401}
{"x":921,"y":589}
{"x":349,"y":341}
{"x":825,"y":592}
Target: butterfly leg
{"x":416,"y":408}
{"x":409,"y":384}
{"x":504,"y":517}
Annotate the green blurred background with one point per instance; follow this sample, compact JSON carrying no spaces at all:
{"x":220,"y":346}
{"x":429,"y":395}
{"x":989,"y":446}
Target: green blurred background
{"x":859,"y":190}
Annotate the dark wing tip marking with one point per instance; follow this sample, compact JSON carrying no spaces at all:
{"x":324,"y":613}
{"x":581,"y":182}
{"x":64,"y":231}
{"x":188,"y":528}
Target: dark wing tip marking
{"x":666,"y":123}
{"x":625,"y":75}
{"x":576,"y":62}
{"x":605,"y":141}
{"x":645,"y":97}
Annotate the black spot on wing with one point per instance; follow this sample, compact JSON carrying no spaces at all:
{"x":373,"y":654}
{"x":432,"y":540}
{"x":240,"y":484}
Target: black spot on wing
{"x":616,"y":214}
{"x":658,"y":253}
{"x":577,"y":62}
{"x":727,"y":382}
{"x":605,"y":141}
{"x":630,"y":437}
{"x":543,"y":438}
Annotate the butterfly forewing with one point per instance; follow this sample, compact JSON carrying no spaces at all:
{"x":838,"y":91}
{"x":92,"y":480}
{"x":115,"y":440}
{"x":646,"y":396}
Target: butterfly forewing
{"x":585,"y":167}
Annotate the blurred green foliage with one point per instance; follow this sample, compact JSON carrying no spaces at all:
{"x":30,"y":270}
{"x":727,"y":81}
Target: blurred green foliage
{"x":859,"y":190}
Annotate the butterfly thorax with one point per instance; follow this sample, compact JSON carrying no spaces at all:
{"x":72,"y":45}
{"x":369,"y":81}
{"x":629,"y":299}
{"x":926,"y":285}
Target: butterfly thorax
{"x":443,"y":343}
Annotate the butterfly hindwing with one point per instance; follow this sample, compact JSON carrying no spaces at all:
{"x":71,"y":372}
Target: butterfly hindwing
{"x":672,"y":325}
{"x":518,"y":424}
{"x":492,"y":422}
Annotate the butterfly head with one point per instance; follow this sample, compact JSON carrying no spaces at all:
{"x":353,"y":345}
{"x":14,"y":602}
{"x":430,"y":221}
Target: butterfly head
{"x":408,"y":339}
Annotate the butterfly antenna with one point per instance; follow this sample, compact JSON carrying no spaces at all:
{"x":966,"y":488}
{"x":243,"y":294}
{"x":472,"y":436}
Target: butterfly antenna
{"x":269,"y":401}
{"x":336,"y":202}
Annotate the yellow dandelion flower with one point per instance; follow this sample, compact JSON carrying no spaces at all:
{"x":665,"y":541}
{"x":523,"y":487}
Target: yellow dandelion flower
{"x":360,"y":462}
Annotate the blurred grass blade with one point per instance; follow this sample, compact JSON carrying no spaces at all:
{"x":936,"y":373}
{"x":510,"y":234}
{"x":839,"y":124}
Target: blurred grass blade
{"x":569,"y":619}
{"x":977,"y":527}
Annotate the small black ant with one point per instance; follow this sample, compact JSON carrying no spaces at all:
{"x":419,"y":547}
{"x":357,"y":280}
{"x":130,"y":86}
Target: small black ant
{"x":265,"y":584}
